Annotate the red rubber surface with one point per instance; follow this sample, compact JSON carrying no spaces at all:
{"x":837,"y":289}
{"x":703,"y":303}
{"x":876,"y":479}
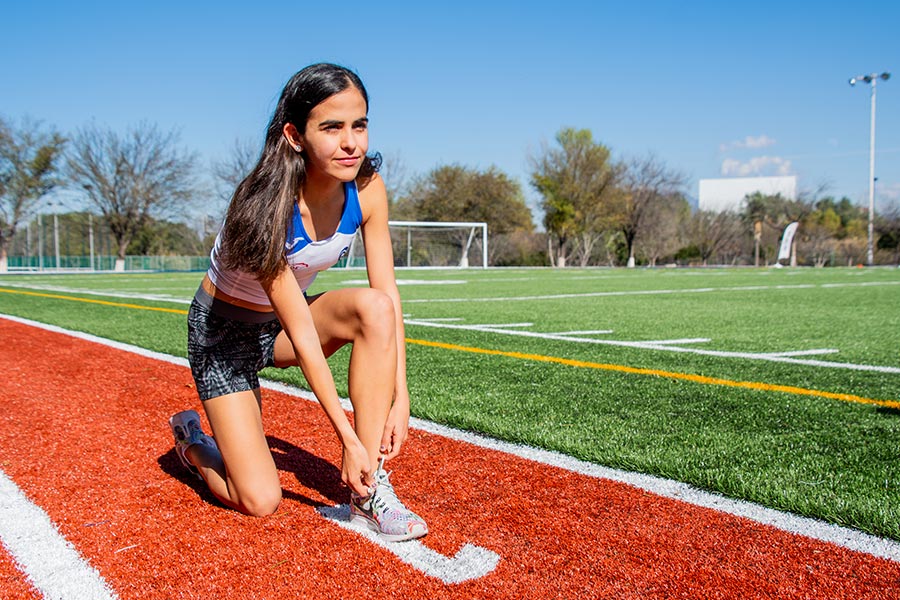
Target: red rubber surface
{"x":84,"y":435}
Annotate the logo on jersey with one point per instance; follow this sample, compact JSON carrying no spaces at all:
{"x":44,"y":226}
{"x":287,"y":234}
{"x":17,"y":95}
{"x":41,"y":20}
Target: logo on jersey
{"x":289,"y":246}
{"x":298,"y":266}
{"x":344,"y":252}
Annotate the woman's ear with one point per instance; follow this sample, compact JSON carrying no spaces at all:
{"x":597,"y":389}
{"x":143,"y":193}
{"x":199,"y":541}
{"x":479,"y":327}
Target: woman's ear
{"x":292,"y":136}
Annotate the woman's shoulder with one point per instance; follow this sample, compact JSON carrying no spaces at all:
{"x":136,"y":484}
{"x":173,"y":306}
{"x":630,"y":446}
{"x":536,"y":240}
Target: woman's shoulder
{"x":370,"y":184}
{"x":372,"y":196}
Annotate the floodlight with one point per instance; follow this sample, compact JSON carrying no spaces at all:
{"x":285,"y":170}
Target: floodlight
{"x":871,"y":79}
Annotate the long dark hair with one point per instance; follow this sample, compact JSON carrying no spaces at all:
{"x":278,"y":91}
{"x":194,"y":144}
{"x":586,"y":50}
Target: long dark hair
{"x":258,"y":218}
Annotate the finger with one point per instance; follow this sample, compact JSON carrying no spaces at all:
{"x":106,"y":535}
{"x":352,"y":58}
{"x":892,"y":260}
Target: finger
{"x":394,"y":449}
{"x":362,"y":485}
{"x":387,"y":441}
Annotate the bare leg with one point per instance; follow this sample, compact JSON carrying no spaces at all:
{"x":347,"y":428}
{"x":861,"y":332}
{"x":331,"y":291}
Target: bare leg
{"x":242,"y":472}
{"x":365,"y":318}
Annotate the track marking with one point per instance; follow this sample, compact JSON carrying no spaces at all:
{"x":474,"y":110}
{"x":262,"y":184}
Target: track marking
{"x":678,"y":341}
{"x":665,"y":346}
{"x":753,"y":385}
{"x":585,"y":332}
{"x":774,"y":357}
{"x":90,"y":301}
{"x":812,"y":528}
{"x":51,"y":563}
{"x":704,"y":290}
{"x":471,"y":562}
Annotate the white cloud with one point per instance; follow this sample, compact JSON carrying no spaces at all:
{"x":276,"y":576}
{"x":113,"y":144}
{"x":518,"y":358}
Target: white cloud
{"x":761,"y":165}
{"x":760,"y":141}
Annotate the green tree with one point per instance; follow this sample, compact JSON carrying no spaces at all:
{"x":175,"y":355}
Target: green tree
{"x":29,"y":157}
{"x":454,"y":193}
{"x":576,"y":180}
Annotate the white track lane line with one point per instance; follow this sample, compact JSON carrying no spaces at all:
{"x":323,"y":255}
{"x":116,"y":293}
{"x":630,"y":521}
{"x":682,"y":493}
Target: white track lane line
{"x":812,"y":528}
{"x":52,"y":565}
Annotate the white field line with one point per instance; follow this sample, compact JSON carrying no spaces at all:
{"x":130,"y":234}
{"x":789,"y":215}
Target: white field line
{"x":703,"y":290}
{"x":93,"y":292}
{"x":49,"y":561}
{"x":678,"y":341}
{"x":805,"y":352}
{"x":585,"y":332}
{"x":664,"y":345}
{"x":812,"y":528}
{"x":499,"y":325}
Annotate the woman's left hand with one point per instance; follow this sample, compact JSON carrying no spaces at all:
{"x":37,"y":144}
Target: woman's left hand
{"x":396,"y":430}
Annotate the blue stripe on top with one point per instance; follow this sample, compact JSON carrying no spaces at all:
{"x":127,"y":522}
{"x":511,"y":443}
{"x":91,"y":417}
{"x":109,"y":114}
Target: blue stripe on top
{"x":351,"y":219}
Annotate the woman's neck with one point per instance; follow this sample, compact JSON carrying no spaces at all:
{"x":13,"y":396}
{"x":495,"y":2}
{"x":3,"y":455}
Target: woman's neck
{"x":318,"y":190}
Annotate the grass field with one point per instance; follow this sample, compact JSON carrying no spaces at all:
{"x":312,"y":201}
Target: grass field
{"x":780,"y":387}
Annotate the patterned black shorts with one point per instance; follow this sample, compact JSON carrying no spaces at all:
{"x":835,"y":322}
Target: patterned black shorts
{"x":226,"y":354}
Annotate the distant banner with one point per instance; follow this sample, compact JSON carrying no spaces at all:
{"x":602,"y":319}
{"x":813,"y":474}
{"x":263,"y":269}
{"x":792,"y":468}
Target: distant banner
{"x":785,"y":251}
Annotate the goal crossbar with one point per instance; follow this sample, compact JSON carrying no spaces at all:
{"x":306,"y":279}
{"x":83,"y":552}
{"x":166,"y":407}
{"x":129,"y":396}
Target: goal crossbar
{"x":472,"y":225}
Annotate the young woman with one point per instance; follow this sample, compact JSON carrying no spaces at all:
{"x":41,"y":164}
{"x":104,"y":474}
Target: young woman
{"x":293,"y":216}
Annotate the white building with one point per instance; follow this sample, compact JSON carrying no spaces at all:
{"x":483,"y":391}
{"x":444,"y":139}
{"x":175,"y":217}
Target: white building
{"x":719,"y":195}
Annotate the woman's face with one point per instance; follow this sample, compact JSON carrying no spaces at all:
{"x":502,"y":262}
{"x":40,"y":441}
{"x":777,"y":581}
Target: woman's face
{"x":337,"y":136}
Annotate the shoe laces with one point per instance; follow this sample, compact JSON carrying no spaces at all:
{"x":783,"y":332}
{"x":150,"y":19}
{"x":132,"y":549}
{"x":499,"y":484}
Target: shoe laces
{"x":384,"y":496}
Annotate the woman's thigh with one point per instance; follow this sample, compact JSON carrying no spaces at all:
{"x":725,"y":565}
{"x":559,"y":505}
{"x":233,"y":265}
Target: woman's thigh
{"x":340,"y":317}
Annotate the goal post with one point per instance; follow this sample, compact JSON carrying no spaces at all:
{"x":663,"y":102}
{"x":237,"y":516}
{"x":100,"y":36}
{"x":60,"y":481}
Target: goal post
{"x":431,"y":244}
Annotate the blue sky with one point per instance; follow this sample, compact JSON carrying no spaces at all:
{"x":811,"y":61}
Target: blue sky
{"x":710,"y":88}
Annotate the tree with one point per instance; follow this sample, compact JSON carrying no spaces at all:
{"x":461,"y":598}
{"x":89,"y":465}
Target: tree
{"x":29,"y":158}
{"x":231,"y":171}
{"x":455,"y":193}
{"x":711,"y":233}
{"x":131,"y":178}
{"x":646,"y":182}
{"x":576,"y":180}
{"x":664,"y":222}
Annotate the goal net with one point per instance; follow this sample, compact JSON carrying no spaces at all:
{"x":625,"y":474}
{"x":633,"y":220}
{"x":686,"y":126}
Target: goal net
{"x":431,"y":244}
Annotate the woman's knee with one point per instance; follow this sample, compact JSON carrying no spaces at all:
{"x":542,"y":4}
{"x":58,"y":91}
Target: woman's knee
{"x":376,"y":314}
{"x":260,"y":502}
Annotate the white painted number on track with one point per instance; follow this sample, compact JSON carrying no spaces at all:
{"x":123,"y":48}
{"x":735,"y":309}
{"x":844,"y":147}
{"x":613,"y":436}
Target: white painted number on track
{"x":471,"y":562}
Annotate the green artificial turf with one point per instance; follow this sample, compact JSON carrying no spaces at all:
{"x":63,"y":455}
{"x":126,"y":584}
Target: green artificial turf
{"x":812,"y":455}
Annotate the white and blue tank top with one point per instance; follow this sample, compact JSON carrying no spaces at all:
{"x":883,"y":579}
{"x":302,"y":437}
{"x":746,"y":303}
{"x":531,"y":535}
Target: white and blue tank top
{"x":305,"y":257}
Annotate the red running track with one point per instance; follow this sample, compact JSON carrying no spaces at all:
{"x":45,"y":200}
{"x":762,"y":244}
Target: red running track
{"x":83,"y":435}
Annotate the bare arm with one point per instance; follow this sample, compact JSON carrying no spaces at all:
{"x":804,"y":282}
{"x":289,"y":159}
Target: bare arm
{"x":295,"y":317}
{"x":380,"y":269}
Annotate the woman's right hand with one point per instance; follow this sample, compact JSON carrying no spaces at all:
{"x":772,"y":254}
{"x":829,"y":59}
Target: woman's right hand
{"x":356,"y":470}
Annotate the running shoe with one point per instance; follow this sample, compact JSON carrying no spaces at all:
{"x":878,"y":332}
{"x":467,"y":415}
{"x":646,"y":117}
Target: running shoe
{"x":383,"y":513}
{"x":187,"y":431}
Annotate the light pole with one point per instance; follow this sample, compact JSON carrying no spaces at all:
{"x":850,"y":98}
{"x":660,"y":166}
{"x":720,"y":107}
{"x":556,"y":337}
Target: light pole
{"x":872,"y":80}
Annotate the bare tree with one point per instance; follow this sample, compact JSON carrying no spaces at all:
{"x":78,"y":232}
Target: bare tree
{"x":645,"y":182}
{"x":393,"y":171}
{"x":664,"y":221}
{"x":231,"y":171}
{"x":132,"y":177}
{"x":714,"y":233}
{"x":28,"y":164}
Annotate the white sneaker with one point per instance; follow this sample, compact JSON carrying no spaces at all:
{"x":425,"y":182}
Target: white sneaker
{"x":383,"y":513}
{"x":187,"y":431}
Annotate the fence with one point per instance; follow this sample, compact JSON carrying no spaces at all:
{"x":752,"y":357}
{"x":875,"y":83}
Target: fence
{"x":108,"y":263}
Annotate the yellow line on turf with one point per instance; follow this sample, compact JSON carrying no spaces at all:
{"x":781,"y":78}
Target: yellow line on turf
{"x":91,"y":301}
{"x":753,"y":385}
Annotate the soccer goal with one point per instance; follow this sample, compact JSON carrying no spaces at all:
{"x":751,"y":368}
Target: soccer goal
{"x":431,"y":244}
